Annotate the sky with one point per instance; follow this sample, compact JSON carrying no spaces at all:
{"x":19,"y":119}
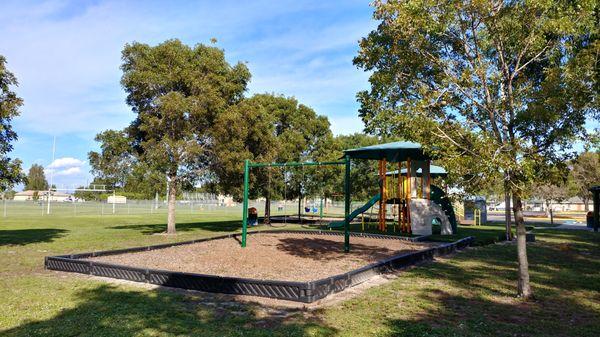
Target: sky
{"x":66,"y":57}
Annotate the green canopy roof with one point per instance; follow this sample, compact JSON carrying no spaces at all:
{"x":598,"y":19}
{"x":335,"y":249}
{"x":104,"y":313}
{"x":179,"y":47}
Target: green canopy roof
{"x":434,"y":171}
{"x":392,"y":152}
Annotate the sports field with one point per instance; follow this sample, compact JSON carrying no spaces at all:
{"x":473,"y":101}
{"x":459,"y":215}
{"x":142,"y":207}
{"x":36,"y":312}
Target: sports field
{"x":469,"y":294}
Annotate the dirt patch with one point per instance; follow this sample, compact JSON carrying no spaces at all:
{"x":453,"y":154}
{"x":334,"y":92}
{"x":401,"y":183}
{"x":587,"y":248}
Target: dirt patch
{"x":280,"y":256}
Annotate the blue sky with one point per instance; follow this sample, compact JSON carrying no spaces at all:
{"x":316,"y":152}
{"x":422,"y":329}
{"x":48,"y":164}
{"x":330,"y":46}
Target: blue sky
{"x":66,"y":56}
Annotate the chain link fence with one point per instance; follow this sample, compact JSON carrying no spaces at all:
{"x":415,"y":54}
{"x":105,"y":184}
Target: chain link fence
{"x":12,"y":208}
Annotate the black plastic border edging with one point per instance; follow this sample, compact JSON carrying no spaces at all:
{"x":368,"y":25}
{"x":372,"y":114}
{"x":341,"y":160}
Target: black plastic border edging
{"x":306,"y":292}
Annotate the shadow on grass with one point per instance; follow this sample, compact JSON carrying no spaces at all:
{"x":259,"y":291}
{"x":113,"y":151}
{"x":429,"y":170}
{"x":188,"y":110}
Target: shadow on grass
{"x":473,"y":294}
{"x":324,"y":249}
{"x":110,"y":311}
{"x":23,"y":237}
{"x":212,"y":226}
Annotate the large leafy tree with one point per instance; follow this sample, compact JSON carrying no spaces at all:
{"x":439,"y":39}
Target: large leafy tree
{"x":115,"y":162}
{"x":363,"y":174}
{"x":585,"y":173}
{"x":10,"y":169}
{"x":267,"y":128}
{"x":118,"y":165}
{"x":36,"y":179}
{"x":177,"y":92}
{"x":493,"y":87}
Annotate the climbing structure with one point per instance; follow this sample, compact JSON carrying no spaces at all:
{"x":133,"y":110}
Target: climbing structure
{"x":408,"y":189}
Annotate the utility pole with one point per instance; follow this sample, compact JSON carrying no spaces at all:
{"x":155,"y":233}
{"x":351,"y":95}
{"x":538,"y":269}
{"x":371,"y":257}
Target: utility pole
{"x":51,"y":175}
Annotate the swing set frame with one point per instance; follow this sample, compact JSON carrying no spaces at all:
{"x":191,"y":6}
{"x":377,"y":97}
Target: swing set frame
{"x":347,"y":188}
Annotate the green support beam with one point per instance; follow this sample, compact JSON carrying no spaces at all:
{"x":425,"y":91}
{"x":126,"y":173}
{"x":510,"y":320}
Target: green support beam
{"x":346,"y":161}
{"x":347,"y":205}
{"x":295,"y":164}
{"x":245,"y":204}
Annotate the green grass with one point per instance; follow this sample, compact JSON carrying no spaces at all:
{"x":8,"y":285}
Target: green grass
{"x":468,"y":294}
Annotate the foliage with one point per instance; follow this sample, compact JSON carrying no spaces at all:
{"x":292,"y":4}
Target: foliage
{"x":490,"y":87}
{"x":550,"y":193}
{"x":363,"y":174}
{"x":177,"y":92}
{"x":36,"y":179}
{"x":267,"y":128}
{"x":585,"y":173}
{"x":10,"y":169}
{"x":8,"y":195}
{"x":117,"y":165}
{"x":115,"y":161}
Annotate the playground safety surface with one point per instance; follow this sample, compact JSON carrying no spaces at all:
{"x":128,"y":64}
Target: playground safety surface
{"x":300,"y":266}
{"x":270,"y":256}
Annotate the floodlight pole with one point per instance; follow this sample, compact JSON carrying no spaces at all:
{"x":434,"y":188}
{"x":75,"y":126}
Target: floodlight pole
{"x":347,"y":205}
{"x":245,"y":203}
{"x":51,"y":174}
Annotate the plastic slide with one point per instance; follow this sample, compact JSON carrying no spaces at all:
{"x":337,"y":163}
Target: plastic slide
{"x":439,"y":197}
{"x":356,"y":212}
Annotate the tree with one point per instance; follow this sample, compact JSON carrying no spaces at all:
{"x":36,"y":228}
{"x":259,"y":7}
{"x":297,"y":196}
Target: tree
{"x":492,"y":87}
{"x":177,"y":92}
{"x":36,"y":179}
{"x":363,"y":174}
{"x":267,"y":128}
{"x":10,"y":169}
{"x":118,"y":165}
{"x":585,"y":173}
{"x":115,"y":161}
{"x":550,"y":193}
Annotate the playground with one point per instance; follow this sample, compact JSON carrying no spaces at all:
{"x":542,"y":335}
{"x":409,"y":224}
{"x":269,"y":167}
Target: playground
{"x":261,"y":267}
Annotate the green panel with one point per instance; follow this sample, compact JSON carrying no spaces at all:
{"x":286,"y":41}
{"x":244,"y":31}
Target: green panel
{"x":392,"y":152}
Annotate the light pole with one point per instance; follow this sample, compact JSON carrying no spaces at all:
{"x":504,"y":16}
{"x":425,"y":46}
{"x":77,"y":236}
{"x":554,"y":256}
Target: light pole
{"x":51,"y":175}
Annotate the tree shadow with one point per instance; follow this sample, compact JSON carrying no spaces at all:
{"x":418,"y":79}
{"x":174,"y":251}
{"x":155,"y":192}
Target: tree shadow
{"x":109,"y":310}
{"x":323,"y":249}
{"x":212,"y":226}
{"x":464,"y":315}
{"x":21,"y":237}
{"x":473,"y":294}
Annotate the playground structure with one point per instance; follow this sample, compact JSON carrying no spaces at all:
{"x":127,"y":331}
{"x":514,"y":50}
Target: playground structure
{"x":417,"y":202}
{"x":296,"y":265}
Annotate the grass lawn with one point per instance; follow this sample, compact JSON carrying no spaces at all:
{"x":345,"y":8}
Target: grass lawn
{"x":469,"y":294}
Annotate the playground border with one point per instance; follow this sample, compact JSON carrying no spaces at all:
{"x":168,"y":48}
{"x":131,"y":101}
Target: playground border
{"x":306,"y":292}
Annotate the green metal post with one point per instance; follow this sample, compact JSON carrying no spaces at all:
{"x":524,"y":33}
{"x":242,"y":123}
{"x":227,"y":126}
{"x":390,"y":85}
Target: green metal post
{"x":321,"y":209}
{"x":347,"y":205}
{"x":299,"y":203}
{"x":245,"y":203}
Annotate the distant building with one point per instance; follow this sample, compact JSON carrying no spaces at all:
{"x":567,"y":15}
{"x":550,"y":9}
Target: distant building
{"x":573,"y":204}
{"x":30,"y":195}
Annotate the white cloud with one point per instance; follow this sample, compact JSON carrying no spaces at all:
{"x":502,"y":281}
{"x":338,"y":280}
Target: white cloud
{"x":66,"y":162}
{"x":68,"y":172}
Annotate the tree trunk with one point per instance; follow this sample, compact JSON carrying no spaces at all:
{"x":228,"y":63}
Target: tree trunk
{"x":523,"y":287}
{"x":586,"y":204}
{"x":267,"y":210}
{"x":172,"y":195}
{"x":507,"y":219}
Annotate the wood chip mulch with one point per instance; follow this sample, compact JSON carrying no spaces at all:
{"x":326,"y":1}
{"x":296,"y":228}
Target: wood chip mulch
{"x":280,"y":256}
